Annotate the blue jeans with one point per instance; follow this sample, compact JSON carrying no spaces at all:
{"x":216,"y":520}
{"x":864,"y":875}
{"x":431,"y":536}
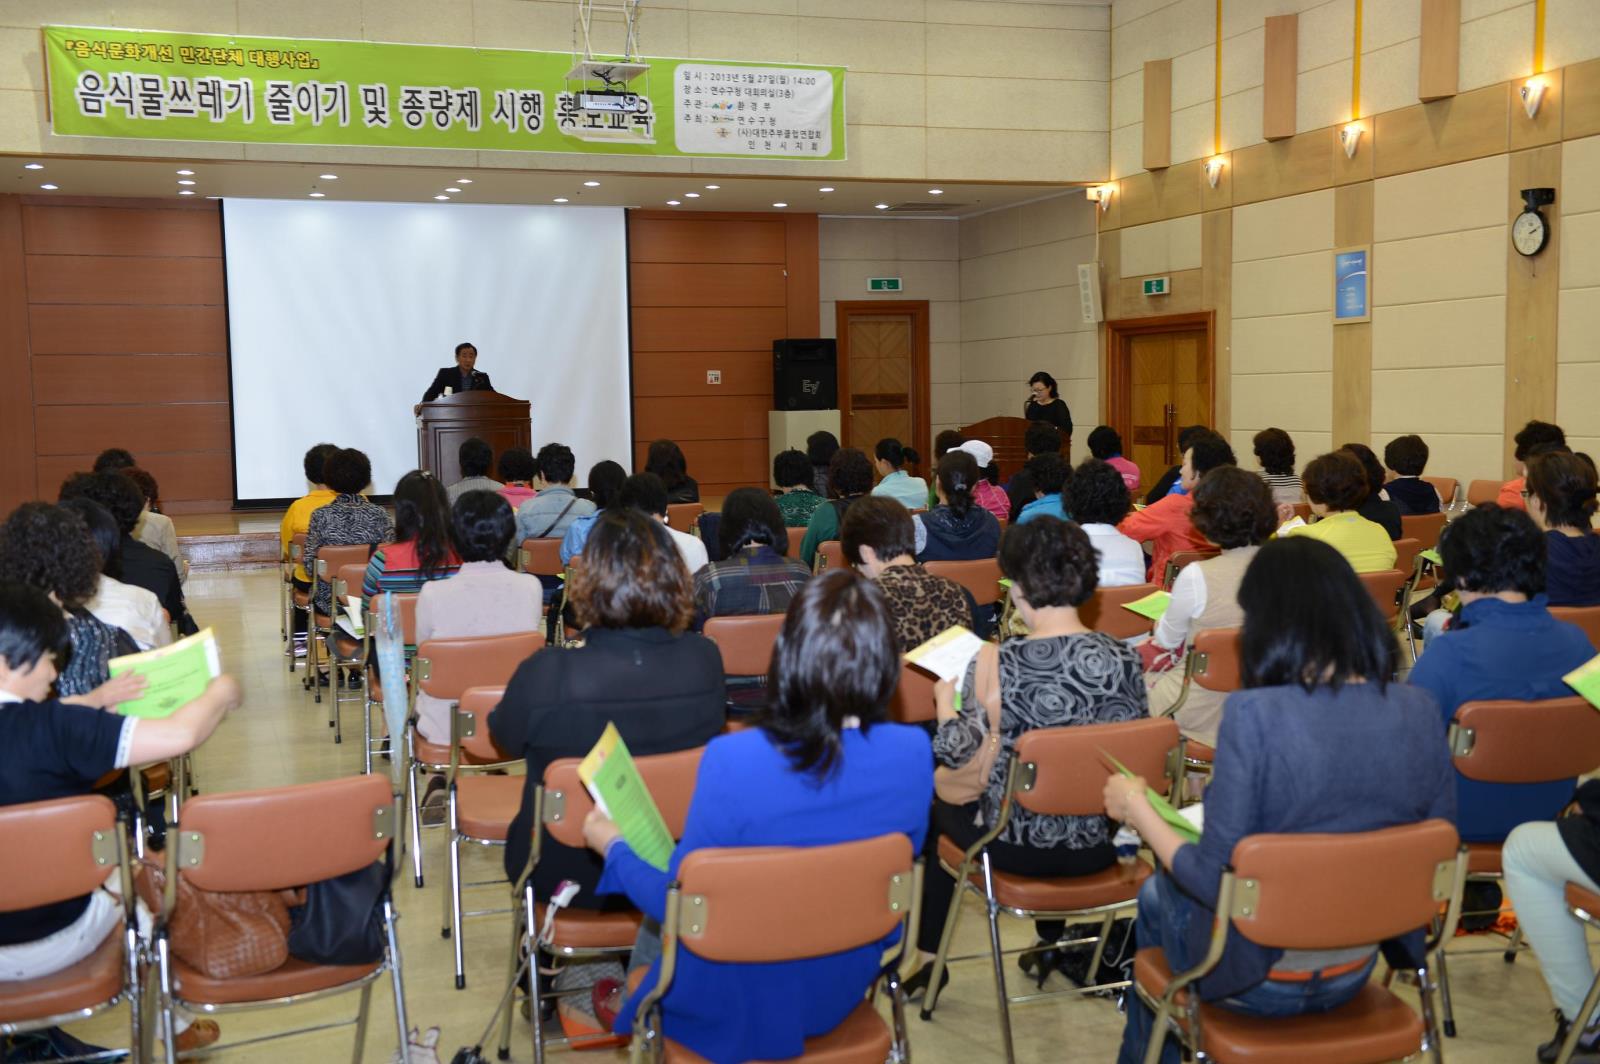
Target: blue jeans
{"x":1163,"y":921}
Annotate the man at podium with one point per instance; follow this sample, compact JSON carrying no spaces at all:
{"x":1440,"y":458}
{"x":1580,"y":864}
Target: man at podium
{"x":461,"y":377}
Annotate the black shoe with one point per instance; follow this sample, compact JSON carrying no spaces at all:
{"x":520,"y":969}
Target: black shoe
{"x":918,"y":983}
{"x":1587,"y":1051}
{"x":1038,"y":964}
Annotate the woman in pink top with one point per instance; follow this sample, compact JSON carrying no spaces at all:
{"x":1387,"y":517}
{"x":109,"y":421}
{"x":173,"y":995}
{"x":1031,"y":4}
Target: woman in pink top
{"x":1106,"y":444}
{"x":516,"y":475}
{"x":987,"y":493}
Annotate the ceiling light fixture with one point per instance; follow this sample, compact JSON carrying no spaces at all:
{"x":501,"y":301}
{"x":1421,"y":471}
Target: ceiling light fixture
{"x":452,"y":189}
{"x":562,"y":199}
{"x":185,"y":181}
{"x":33,"y":166}
{"x":780,"y":204}
{"x":329,"y":177}
{"x":674,"y":203}
{"x":881,"y":207}
{"x":463,"y":180}
{"x":591,"y":184}
{"x":185,"y":173}
{"x":49,"y":188}
{"x":825,"y":188}
{"x":316,"y":195}
{"x":441,"y":197}
{"x":185,"y":192}
{"x":936,"y":192}
{"x":713,"y":188}
{"x":691,"y":195}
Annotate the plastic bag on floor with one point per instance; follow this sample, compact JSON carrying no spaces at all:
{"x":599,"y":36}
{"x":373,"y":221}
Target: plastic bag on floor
{"x":421,"y":1048}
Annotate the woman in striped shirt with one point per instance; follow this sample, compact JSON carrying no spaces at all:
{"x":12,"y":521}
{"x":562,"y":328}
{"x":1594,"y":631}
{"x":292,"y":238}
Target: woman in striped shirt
{"x":421,"y":550}
{"x":1275,"y":451}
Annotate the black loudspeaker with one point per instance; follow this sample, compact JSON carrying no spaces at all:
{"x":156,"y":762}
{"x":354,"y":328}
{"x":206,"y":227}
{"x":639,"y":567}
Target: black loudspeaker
{"x":805,"y":375}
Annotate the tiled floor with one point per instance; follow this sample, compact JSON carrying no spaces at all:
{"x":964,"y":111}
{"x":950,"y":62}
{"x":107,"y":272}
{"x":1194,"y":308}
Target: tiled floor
{"x":279,"y":737}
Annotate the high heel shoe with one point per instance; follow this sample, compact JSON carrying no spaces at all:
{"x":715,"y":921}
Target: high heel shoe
{"x":918,"y":983}
{"x":1038,"y":964}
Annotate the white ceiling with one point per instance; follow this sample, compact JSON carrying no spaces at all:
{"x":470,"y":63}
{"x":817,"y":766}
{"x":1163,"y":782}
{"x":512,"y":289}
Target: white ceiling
{"x":158,"y":179}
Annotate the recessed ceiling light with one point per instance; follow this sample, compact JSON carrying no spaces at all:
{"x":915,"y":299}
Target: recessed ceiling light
{"x":49,"y":188}
{"x":883,"y":206}
{"x":185,"y":173}
{"x":463,"y":180}
{"x":780,"y":204}
{"x":452,"y":188}
{"x":186,"y":192}
{"x":825,"y":188}
{"x":329,"y":177}
{"x":691,"y":195}
{"x":33,"y":166}
{"x":561,"y":199}
{"x":185,"y":181}
{"x":936,"y":192}
{"x":591,"y":184}
{"x":441,"y":197}
{"x":713,"y":188}
{"x":316,"y":195}
{"x":674,"y":203}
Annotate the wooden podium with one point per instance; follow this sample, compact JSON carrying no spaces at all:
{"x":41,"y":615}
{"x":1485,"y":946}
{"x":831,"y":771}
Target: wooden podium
{"x":445,"y":423}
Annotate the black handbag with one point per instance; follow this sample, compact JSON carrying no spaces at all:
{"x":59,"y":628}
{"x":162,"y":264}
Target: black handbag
{"x":342,"y":919}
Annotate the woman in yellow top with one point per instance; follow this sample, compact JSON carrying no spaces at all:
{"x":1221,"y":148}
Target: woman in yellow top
{"x":1336,"y":486}
{"x":297,"y":519}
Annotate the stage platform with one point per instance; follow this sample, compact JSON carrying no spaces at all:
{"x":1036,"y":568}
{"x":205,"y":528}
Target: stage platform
{"x":223,"y":541}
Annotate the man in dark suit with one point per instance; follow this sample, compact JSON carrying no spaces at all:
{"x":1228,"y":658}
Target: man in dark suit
{"x":461,"y":377}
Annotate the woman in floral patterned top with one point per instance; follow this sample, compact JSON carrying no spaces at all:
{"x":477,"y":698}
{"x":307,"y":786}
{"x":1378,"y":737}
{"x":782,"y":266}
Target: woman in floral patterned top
{"x":348,"y":519}
{"x":1060,"y":674}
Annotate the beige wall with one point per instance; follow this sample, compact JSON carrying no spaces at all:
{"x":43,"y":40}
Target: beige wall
{"x":928,"y":93}
{"x":1578,"y":344}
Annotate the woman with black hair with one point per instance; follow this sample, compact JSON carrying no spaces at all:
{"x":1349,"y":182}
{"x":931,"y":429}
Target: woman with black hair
{"x":821,"y":446}
{"x":1378,"y":508}
{"x":755,"y":576}
{"x":1045,"y":404}
{"x":958,"y":529}
{"x":1059,"y":674}
{"x":421,"y":550}
{"x":1020,"y":490}
{"x":1274,"y":449}
{"x":988,"y":493}
{"x":133,"y":609}
{"x":665,"y":459}
{"x":1171,"y":482}
{"x":349,"y":519}
{"x":889,"y":461}
{"x":824,"y":766}
{"x":1097,"y":498}
{"x":879,"y":539}
{"x":605,"y":484}
{"x":849,"y":478}
{"x":1561,"y":500}
{"x":797,"y":499}
{"x":517,"y":469}
{"x":1105,"y":445}
{"x":1319,"y":741}
{"x":142,"y":565}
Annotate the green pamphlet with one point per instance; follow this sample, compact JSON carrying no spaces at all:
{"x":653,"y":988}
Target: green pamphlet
{"x":1431,"y":555}
{"x":1585,"y":680}
{"x":1179,"y":823}
{"x":1152,"y":605}
{"x":620,"y":793}
{"x":175,"y":675}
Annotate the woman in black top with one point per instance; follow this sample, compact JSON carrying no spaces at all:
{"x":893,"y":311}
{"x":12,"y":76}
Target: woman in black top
{"x":821,"y":446}
{"x":1561,"y":490}
{"x":1378,"y":508}
{"x":1045,"y":404}
{"x":638,"y":667}
{"x":666,"y":461}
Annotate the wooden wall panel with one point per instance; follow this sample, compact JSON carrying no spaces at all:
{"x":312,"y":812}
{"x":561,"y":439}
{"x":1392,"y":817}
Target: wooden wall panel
{"x":59,"y":379}
{"x":1533,"y":293}
{"x":1352,"y":343}
{"x":1284,"y":168}
{"x":1280,"y":77}
{"x":1580,"y":111}
{"x":683,"y":373}
{"x":691,"y":238}
{"x":1157,"y":114}
{"x":707,"y":328}
{"x":713,"y":284}
{"x":205,"y":478}
{"x":720,"y":465}
{"x":1439,"y":64}
{"x":17,"y":482}
{"x":60,"y":329}
{"x":79,"y":429}
{"x":803,"y":273}
{"x":106,"y":279}
{"x":1161,"y":194}
{"x":717,"y":417}
{"x":124,"y":230}
{"x":1468,"y":126}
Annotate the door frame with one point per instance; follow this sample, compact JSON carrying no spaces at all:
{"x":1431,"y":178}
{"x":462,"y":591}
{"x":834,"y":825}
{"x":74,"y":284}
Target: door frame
{"x":1119,"y":363}
{"x":921,"y":416}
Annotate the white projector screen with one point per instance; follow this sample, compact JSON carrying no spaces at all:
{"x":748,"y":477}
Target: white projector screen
{"x":339,"y":314}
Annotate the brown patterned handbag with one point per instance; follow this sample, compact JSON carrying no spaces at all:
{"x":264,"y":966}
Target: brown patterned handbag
{"x":224,"y":935}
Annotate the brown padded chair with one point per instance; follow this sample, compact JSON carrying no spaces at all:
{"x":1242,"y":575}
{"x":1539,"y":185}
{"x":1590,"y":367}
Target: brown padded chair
{"x":349,"y":653}
{"x":1302,"y":510}
{"x":833,"y":898}
{"x":1055,"y":772}
{"x":445,"y":669}
{"x":405,"y":605}
{"x":746,"y":643}
{"x":71,"y":845}
{"x":1584,"y":904}
{"x":480,"y":805}
{"x":1319,"y":892}
{"x":542,"y":557}
{"x":1104,"y":611}
{"x":330,"y":559}
{"x":685,"y":516}
{"x":1181,"y":559}
{"x":1424,"y":528}
{"x":912,"y":702}
{"x":830,"y":555}
{"x":278,"y":839}
{"x":1446,"y":487}
{"x":289,"y":600}
{"x":560,"y":804}
{"x":796,"y":537}
{"x":1482,"y":491}
{"x":1585,"y":617}
{"x":1506,"y":741}
{"x":980,"y":577}
{"x":1212,"y":663}
{"x":1384,"y":586}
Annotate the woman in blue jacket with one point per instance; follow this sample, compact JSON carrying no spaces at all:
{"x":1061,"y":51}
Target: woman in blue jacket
{"x":824,"y":767}
{"x":1320,"y":740}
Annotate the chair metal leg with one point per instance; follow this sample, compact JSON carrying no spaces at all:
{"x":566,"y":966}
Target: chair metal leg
{"x":1444,"y":995}
{"x":514,"y":958}
{"x":999,"y":959}
{"x":1575,"y":1029}
{"x":1100,"y":948}
{"x":366,"y":726}
{"x":900,"y":1051}
{"x":535,"y":1012}
{"x":1516,"y":944}
{"x":135,"y":993}
{"x":361,"y":1023}
{"x":413,"y":804}
{"x":930,"y":999}
{"x":397,"y":977}
{"x":452,"y":900}
{"x":169,"y":1027}
{"x":335,"y":685}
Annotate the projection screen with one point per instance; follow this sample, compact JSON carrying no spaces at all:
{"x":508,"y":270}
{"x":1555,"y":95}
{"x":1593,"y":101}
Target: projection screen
{"x":339,"y":314}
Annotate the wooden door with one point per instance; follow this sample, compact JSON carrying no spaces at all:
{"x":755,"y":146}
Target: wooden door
{"x":883,"y":373}
{"x":1167,"y":377}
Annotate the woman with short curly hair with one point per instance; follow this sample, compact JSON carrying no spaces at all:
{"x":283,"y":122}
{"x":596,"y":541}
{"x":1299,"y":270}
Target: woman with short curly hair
{"x":1336,"y":484}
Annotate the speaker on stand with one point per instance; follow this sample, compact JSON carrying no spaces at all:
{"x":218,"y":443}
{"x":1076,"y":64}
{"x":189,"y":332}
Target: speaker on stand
{"x":805,"y":374}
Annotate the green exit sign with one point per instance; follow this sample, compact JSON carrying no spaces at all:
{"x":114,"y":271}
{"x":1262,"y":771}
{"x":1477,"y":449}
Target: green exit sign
{"x":883,"y":284}
{"x":1157,"y":286}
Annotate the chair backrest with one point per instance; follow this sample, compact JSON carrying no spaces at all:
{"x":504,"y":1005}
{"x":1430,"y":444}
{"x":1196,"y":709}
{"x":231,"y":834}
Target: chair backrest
{"x":913,"y":696}
{"x":830,"y":555}
{"x":333,"y":557}
{"x":61,"y":849}
{"x":683,"y":516}
{"x":796,"y":537}
{"x":1213,"y":660}
{"x":745,"y":642}
{"x":1302,"y":510}
{"x":406,"y":603}
{"x":542,"y":556}
{"x":444,"y":668}
{"x":1424,"y":528}
{"x":296,"y":549}
{"x":283,"y":837}
{"x":1446,"y":487}
{"x":981,"y":577}
{"x":347,"y":581}
{"x":1181,"y":558}
{"x":833,"y":898}
{"x":1406,"y":550}
{"x":1319,"y":891}
{"x":669,"y":778}
{"x":1104,"y":613}
{"x":1482,"y":491}
{"x":1069,"y":769}
{"x":475,"y":704}
{"x":1585,"y":617}
{"x":1384,"y":587}
{"x":1525,"y":742}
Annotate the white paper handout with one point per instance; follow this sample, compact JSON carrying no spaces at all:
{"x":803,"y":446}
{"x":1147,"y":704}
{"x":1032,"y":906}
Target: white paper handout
{"x":947,"y":654}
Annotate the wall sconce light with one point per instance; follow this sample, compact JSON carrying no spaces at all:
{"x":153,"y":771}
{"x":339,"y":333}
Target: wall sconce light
{"x":1214,"y":167}
{"x":1533,"y":95}
{"x":1350,"y":137}
{"x":1101,"y":194}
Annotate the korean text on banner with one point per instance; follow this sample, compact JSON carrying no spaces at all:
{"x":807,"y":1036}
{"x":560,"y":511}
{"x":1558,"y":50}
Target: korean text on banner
{"x":148,"y":85}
